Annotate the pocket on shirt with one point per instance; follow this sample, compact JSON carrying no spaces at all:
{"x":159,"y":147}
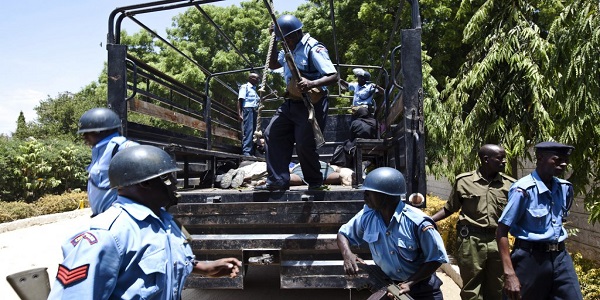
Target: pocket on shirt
{"x":372,"y":238}
{"x":154,"y":266}
{"x":538,"y":216}
{"x":408,"y":249}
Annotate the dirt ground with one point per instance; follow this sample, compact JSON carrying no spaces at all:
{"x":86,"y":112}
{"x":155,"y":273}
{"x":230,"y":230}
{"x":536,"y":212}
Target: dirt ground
{"x":35,"y":243}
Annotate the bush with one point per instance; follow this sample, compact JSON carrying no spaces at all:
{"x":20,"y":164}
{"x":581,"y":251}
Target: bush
{"x":11,"y":211}
{"x":51,"y":204}
{"x":48,"y":204}
{"x":588,"y":272}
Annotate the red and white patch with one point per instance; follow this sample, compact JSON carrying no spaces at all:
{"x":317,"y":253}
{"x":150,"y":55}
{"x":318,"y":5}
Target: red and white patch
{"x":68,"y":277}
{"x":319,"y":49}
{"x":88,"y":236}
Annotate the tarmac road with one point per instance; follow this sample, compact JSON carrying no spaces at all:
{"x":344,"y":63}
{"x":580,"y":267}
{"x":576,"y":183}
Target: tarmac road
{"x":35,"y":243}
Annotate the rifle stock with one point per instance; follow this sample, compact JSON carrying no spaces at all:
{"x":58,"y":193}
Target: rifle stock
{"x":296,"y":77}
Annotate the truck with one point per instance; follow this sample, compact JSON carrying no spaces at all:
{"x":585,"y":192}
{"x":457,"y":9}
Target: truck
{"x":293,"y":231}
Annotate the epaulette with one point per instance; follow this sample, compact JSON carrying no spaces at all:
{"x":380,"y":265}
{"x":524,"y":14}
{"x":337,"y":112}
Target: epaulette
{"x":507,"y":177}
{"x":312,"y":42}
{"x":462,"y":175}
{"x":106,"y":219}
{"x":417,"y":216}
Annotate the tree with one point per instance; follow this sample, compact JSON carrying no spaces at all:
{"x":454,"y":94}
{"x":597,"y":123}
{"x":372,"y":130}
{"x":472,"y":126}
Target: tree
{"x":575,"y":68}
{"x":500,"y":94}
{"x":21,"y":132}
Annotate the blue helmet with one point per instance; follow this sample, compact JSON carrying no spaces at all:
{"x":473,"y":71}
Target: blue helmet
{"x":288,"y":24}
{"x":137,"y":164}
{"x":385,"y":180}
{"x":98,"y":119}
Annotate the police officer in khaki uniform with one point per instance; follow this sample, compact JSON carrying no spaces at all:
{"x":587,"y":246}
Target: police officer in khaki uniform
{"x":481,"y":195}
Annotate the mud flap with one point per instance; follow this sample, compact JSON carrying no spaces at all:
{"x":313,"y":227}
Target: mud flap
{"x":31,"y":284}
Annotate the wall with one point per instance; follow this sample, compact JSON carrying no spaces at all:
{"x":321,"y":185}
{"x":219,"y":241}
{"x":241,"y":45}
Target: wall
{"x":586,"y":240}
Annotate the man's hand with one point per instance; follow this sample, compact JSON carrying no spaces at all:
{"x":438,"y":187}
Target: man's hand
{"x":222,"y":267}
{"x":304,"y":85}
{"x":350,"y":266}
{"x":512,"y":287}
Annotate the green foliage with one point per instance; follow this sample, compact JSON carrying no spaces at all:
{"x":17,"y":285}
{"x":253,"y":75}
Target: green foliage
{"x":588,"y":273}
{"x":34,"y":168}
{"x":11,"y":211}
{"x":51,"y":204}
{"x":576,"y":69}
{"x":48,"y":204}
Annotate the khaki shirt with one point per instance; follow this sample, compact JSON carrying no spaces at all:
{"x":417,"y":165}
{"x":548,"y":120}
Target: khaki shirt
{"x":481,"y":202}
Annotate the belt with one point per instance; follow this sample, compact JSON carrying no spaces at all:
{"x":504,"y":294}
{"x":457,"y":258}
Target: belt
{"x":540,"y":246}
{"x":466,"y":230}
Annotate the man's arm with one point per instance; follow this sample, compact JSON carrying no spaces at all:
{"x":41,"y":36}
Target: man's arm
{"x":350,"y":258}
{"x":441,"y":214}
{"x":512,"y":286}
{"x":426,"y":270}
{"x":305,"y":85}
{"x":218,"y":268}
{"x":344,"y":84}
{"x":239,"y":108}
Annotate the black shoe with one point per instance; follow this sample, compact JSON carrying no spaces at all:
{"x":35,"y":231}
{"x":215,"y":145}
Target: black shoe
{"x":271,"y":188}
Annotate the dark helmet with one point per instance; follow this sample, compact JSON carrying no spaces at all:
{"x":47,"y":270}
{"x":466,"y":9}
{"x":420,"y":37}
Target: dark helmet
{"x":385,"y":180}
{"x":136,"y":164}
{"x":288,"y":24}
{"x":98,"y":119}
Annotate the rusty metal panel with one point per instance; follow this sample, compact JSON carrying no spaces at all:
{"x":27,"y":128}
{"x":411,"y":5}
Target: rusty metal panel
{"x":323,"y":274}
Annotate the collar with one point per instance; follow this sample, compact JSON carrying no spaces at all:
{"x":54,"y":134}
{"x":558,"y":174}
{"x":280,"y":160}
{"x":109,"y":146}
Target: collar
{"x":105,"y":140}
{"x":399,"y":209}
{"x":138,"y":211}
{"x":478,"y":176}
{"x":541,"y":186}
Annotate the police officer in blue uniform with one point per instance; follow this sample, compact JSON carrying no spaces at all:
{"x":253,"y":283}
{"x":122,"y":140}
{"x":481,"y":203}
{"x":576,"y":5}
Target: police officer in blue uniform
{"x":539,"y":267}
{"x":134,"y":250}
{"x":289,"y":125}
{"x":404,"y":242}
{"x":363,"y":89}
{"x":247,"y":105}
{"x":99,"y":128}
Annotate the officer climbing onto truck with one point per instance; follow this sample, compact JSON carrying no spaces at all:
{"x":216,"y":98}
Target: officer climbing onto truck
{"x":135,"y":249}
{"x":403,"y":241}
{"x":99,"y":128}
{"x":289,"y":125}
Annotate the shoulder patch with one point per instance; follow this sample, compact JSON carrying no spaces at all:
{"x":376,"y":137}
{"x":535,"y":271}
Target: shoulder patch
{"x":88,"y":236}
{"x":319,"y":49}
{"x":68,"y":277}
{"x":425,"y":228}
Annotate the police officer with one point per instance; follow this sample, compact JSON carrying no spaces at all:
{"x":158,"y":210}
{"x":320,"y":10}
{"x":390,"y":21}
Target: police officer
{"x":363,"y":89}
{"x":404,"y":242}
{"x":100,"y":130}
{"x":539,"y":267}
{"x":247,"y":105}
{"x":289,"y":125}
{"x":480,"y":195}
{"x":134,"y":250}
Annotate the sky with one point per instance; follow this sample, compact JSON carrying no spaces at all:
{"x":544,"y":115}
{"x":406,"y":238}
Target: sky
{"x":51,"y":47}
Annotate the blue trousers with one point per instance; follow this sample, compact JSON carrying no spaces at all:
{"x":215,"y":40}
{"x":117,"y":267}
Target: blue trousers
{"x":546,"y":275}
{"x":290,"y":126}
{"x":249,"y":126}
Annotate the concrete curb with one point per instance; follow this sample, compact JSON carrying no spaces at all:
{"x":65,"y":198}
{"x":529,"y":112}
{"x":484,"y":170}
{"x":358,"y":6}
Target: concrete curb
{"x":45,"y":219}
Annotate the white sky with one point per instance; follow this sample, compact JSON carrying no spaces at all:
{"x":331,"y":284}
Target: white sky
{"x":50,"y":47}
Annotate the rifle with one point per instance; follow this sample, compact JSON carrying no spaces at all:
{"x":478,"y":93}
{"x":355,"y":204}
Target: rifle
{"x":382,"y":284}
{"x":296,"y":76}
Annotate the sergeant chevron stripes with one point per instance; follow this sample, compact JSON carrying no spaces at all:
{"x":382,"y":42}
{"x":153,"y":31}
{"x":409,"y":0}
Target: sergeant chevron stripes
{"x":69,"y":277}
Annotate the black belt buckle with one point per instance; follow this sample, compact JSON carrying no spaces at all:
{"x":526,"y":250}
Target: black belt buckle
{"x":464,"y":231}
